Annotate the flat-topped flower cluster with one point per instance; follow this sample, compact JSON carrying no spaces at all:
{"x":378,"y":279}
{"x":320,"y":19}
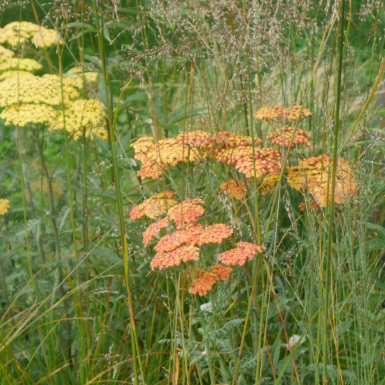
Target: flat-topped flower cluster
{"x":181,"y":245}
{"x":32,"y":101}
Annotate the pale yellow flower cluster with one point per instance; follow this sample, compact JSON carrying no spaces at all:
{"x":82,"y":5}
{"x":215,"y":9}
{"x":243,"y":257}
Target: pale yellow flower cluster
{"x":46,"y":38}
{"x":36,"y":90}
{"x":4,"y":206}
{"x":5,"y":53}
{"x":27,"y":115}
{"x":16,"y":75}
{"x":18,"y":33}
{"x":83,"y":114}
{"x":16,"y":64}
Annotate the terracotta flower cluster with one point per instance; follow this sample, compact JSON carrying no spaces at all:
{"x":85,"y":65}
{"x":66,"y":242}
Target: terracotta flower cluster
{"x":314,"y":174}
{"x":182,"y":245}
{"x":283,"y":137}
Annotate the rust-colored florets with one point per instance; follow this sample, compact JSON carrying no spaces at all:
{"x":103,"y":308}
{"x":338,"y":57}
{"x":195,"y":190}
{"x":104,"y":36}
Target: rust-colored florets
{"x":235,"y":189}
{"x":277,"y":112}
{"x":199,"y":139}
{"x":207,"y":278}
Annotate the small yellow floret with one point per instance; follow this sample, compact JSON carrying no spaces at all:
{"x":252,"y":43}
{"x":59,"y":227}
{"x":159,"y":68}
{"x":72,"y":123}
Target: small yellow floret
{"x":45,"y":37}
{"x":4,"y":206}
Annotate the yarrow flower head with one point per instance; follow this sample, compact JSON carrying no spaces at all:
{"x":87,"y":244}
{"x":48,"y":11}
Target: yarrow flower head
{"x":4,"y":206}
{"x":154,"y":229}
{"x":28,"y":115}
{"x":76,"y":76}
{"x":174,"y":257}
{"x":206,"y":279}
{"x":16,"y":64}
{"x":313,"y":174}
{"x":199,"y":139}
{"x":36,"y":90}
{"x":18,"y":33}
{"x":277,"y":112}
{"x":235,"y":189}
{"x":302,"y":205}
{"x":155,"y":206}
{"x":282,"y":137}
{"x":215,"y":234}
{"x":5,"y":53}
{"x":156,"y":157}
{"x":269,"y":182}
{"x":87,"y":114}
{"x":186,"y":212}
{"x":240,"y":254}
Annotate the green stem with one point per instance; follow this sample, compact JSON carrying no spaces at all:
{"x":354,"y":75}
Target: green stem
{"x":332,"y":198}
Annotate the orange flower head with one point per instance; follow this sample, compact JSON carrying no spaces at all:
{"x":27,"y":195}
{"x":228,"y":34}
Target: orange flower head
{"x":179,"y":237}
{"x":270,"y":113}
{"x":215,"y":234}
{"x":206,"y":279}
{"x":314,"y":174}
{"x":143,"y":144}
{"x":282,"y":137}
{"x":293,"y":113}
{"x":302,"y":205}
{"x":186,"y":212}
{"x":175,"y":257}
{"x":154,"y":229}
{"x":240,"y":254}
{"x":269,"y":182}
{"x":235,"y":189}
{"x":155,"y":206}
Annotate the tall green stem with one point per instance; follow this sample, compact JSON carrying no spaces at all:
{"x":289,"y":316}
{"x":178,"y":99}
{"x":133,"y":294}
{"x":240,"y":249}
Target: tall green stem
{"x":333,"y":184}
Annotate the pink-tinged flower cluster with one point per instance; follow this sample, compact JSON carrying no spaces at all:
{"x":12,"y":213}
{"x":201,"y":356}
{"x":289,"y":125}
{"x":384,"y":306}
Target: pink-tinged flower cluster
{"x":154,"y":229}
{"x":186,"y":212}
{"x":245,"y":159}
{"x":206,"y":279}
{"x":277,"y":112}
{"x":240,"y":254}
{"x":235,"y":189}
{"x":199,"y":139}
{"x":175,"y":257}
{"x":155,"y":206}
{"x":283,"y":136}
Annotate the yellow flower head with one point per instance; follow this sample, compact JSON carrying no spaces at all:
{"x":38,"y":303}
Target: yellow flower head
{"x":16,"y":74}
{"x":45,"y":37}
{"x":34,"y":89}
{"x":85,"y":114}
{"x":17,"y":33}
{"x":5,"y":53}
{"x":28,"y":115}
{"x":16,"y":64}
{"x":4,"y":206}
